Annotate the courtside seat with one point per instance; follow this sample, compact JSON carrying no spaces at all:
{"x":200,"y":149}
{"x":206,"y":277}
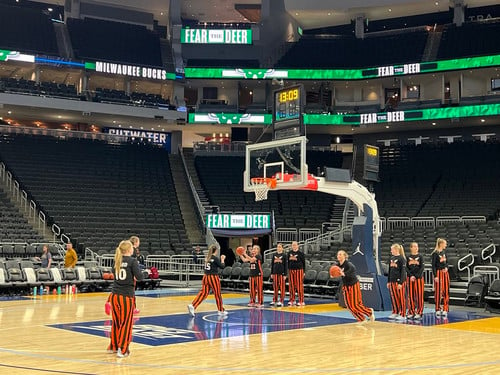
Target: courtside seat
{"x":225,"y":275}
{"x":243,"y":282}
{"x":45,"y":277}
{"x":492,"y":299}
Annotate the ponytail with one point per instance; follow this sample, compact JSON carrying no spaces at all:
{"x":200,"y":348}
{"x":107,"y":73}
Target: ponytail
{"x":124,"y":247}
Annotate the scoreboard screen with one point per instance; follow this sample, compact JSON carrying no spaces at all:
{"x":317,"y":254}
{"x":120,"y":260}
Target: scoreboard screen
{"x":371,"y":163}
{"x":288,"y":106}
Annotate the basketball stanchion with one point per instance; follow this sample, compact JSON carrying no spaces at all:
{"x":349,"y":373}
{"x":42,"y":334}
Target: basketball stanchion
{"x":261,"y":186}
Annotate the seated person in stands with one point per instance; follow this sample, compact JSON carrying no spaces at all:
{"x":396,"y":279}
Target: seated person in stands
{"x":70,"y":258}
{"x":197,"y":254}
{"x":140,"y":258}
{"x":46,"y":257}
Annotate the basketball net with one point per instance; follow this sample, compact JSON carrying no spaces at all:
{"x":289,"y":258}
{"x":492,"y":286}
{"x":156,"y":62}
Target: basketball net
{"x":261,"y":186}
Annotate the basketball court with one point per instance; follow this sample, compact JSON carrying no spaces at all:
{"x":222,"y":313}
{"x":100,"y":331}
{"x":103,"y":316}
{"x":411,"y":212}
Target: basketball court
{"x":67,"y":334}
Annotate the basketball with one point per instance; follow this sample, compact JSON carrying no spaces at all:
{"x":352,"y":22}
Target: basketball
{"x":240,"y":250}
{"x":335,"y":271}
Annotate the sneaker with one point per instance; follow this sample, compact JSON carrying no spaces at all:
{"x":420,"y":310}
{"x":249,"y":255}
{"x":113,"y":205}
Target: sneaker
{"x":222,"y":313}
{"x":272,"y":303}
{"x":410,"y":316}
{"x":291,"y":303}
{"x":438,"y":313}
{"x":251,"y":304}
{"x":372,"y":315}
{"x":417,"y":317}
{"x":191,"y":309}
{"x":444,"y":314}
{"x":393,"y":316}
{"x":259,"y":305}
{"x":136,"y":311}
{"x":400,"y":318}
{"x":279,"y":304}
{"x":119,"y":354}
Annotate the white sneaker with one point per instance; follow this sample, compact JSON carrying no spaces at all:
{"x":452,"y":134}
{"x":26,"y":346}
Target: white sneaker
{"x":119,"y":354}
{"x":409,"y":316}
{"x":393,"y":316}
{"x":444,"y":314}
{"x":401,"y":318}
{"x":291,"y":303}
{"x":279,"y":304}
{"x":272,"y":303}
{"x":438,"y":313}
{"x":372,"y":315}
{"x":222,"y":313}
{"x":191,"y":309}
{"x":417,"y":317}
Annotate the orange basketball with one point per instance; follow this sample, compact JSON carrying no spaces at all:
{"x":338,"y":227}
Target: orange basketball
{"x":335,"y":271}
{"x":240,"y":250}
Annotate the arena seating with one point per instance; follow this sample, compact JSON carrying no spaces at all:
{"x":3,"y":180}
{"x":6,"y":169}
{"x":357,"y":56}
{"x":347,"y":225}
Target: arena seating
{"x":114,"y":41}
{"x":14,"y":227}
{"x":28,"y":30}
{"x":22,"y":86}
{"x":100,"y":193}
{"x":439,"y":179}
{"x":350,"y":52}
{"x":470,"y":39}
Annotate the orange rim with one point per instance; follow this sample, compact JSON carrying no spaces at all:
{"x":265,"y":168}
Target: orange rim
{"x":269,"y":181}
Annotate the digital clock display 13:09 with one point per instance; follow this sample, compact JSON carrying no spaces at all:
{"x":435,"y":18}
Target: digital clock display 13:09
{"x":289,"y":95}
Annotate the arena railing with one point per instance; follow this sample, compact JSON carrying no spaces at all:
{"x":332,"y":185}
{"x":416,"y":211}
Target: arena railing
{"x":490,"y":271}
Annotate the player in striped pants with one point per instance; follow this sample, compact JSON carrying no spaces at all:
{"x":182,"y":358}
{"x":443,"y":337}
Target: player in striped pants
{"x":441,"y":278}
{"x":415,"y":282}
{"x":397,"y":282}
{"x":352,"y":290}
{"x":279,"y":270}
{"x":210,"y":281}
{"x":296,"y":269}
{"x":256,"y":279}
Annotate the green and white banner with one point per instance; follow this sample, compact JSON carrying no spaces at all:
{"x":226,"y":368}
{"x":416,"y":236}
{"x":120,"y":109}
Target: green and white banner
{"x":230,"y":118}
{"x":241,"y":221}
{"x":216,"y":36}
{"x":346,"y":74}
{"x":6,"y":55}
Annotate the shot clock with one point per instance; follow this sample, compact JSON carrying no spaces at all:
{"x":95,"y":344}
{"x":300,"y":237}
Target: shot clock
{"x":288,"y":106}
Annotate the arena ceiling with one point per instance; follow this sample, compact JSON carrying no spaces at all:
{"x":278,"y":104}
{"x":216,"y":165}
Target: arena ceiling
{"x":309,"y":13}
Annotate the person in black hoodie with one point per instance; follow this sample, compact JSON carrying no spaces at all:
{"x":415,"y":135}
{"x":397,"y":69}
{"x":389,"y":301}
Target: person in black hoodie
{"x":415,"y":281}
{"x":279,"y":270}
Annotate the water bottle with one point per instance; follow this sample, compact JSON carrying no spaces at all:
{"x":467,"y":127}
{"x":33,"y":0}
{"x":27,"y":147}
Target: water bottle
{"x":34,"y":291}
{"x":41,"y":290}
{"x":59,"y":289}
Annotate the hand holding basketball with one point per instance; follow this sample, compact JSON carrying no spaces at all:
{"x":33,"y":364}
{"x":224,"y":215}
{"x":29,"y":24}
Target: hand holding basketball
{"x":240,"y":250}
{"x":335,"y":271}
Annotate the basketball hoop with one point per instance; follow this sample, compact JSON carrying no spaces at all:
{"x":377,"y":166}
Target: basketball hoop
{"x":261,"y":186}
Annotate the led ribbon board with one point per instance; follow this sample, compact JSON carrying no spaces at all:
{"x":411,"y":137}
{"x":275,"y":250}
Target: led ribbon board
{"x":346,"y":74}
{"x":429,"y":114}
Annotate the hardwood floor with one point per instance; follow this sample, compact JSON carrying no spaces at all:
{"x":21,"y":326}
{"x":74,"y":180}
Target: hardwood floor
{"x":67,"y":335}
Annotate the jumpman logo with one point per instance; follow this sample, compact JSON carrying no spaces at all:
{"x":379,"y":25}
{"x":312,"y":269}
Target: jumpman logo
{"x":358,"y":250}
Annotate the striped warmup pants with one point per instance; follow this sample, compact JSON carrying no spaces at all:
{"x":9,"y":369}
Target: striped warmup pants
{"x":209,"y":282}
{"x":256,"y":289}
{"x":415,"y":296}
{"x":442,"y":289}
{"x":398,"y":298}
{"x":354,"y":302}
{"x":122,"y":315}
{"x":296,"y":285}
{"x":278,"y":288}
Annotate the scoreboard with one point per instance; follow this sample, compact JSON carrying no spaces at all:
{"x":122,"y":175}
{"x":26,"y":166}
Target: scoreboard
{"x":371,"y":163}
{"x":288,"y":107}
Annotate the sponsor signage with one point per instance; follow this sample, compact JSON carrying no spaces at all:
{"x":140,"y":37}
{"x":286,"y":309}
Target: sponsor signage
{"x":216,"y":36}
{"x":128,"y":70}
{"x":238,"y":221}
{"x":160,"y":138}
